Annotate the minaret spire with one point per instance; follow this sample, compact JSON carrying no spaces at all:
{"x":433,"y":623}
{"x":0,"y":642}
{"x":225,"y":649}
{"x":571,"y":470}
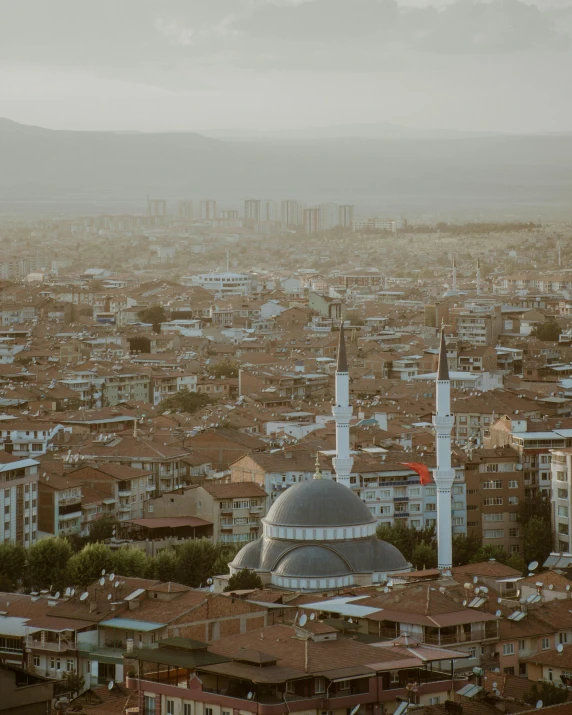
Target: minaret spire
{"x":444,"y":473}
{"x":454,"y":275}
{"x":478,"y":276}
{"x":342,"y":411}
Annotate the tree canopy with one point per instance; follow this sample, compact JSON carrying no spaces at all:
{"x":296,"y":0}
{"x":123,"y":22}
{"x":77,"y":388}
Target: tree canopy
{"x":185,"y":401}
{"x":549,"y":330}
{"x":154,"y":314}
{"x":243,"y":581}
{"x":224,"y":368}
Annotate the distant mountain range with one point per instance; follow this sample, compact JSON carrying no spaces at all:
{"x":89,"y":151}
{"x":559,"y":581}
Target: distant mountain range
{"x":398,"y":172}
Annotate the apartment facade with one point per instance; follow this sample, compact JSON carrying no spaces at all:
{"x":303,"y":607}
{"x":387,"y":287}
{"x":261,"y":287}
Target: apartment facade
{"x":18,"y":499}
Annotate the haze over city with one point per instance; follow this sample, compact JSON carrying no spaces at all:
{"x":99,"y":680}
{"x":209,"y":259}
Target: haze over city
{"x":285,"y":357}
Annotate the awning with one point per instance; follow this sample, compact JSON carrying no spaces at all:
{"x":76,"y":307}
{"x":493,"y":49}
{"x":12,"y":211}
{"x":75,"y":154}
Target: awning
{"x":132,"y":625}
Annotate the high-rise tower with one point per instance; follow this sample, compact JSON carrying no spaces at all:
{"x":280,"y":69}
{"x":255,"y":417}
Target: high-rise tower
{"x":444,"y":473}
{"x":342,"y":411}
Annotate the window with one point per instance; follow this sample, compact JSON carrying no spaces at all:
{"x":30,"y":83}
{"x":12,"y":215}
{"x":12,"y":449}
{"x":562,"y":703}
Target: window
{"x":208,"y":711}
{"x":415,"y":507}
{"x":400,"y":492}
{"x":434,"y":700}
{"x":385,"y":509}
{"x":70,"y":665}
{"x":513,"y":484}
{"x":513,"y":532}
{"x":563,"y":638}
{"x":187,"y":709}
{"x":563,"y":493}
{"x":513,"y":516}
{"x":344,"y":685}
{"x":320,"y":685}
{"x":493,"y":501}
{"x":416,"y":523}
{"x":385,"y":493}
{"x":493,"y":517}
{"x":458,"y":521}
{"x":521,"y":645}
{"x":290,"y":687}
{"x":149,"y":705}
{"x":545,"y":644}
{"x":457,"y":490}
{"x":563,"y":511}
{"x":508,"y":649}
{"x":457,"y":506}
{"x":493,"y":468}
{"x":37,"y":661}
{"x":150,"y":508}
{"x":513,"y":500}
{"x":401,"y":508}
{"x":472,"y":652}
{"x":414,"y":491}
{"x":493,"y":534}
{"x":431,"y":491}
{"x":430,"y":507}
{"x":493,"y":484}
{"x":509,"y":670}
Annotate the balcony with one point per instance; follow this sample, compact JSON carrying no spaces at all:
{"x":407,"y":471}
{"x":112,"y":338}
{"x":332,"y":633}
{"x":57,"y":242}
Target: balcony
{"x":124,"y":493}
{"x":51,"y":646}
{"x":124,"y":507}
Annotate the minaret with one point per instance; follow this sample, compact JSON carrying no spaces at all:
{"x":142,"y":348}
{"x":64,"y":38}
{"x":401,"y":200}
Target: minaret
{"x":478,"y":276}
{"x":454,"y":275}
{"x":343,"y":461}
{"x":444,"y":474}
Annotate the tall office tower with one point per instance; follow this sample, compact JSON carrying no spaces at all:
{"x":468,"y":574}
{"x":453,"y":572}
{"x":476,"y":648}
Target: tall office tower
{"x":291,"y":214}
{"x":185,"y":211}
{"x":342,"y":411}
{"x":312,"y":220}
{"x":157,"y":207}
{"x":346,"y":215}
{"x":269,"y":210}
{"x":329,"y":216}
{"x":444,"y":474}
{"x":252,"y":209}
{"x":209,"y":209}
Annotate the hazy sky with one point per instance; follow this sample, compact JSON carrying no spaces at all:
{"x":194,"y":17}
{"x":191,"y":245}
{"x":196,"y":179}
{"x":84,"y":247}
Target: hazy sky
{"x":268,"y":64}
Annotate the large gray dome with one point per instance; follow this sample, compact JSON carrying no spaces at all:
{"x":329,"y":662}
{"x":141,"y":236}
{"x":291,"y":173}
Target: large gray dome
{"x":312,"y":562}
{"x":319,"y":503}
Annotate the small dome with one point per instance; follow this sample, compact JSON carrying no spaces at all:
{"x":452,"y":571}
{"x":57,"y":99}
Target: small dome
{"x":319,"y":503}
{"x":312,"y":562}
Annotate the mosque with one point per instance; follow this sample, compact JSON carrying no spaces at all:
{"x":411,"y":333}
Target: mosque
{"x":319,"y":534}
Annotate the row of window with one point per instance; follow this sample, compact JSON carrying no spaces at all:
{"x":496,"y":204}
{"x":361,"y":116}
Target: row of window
{"x":498,"y":501}
{"x":499,"y":484}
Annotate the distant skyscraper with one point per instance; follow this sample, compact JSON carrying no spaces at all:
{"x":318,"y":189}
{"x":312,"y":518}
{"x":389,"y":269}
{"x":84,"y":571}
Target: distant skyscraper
{"x":156,"y":207}
{"x":252,"y":209}
{"x":291,"y":214}
{"x":346,"y":215}
{"x":312,"y":220}
{"x":329,"y":216}
{"x":209,"y":209}
{"x":269,"y":210}
{"x":185,"y":210}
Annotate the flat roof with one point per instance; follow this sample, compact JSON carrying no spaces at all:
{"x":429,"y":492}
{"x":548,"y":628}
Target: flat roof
{"x":132,"y":625}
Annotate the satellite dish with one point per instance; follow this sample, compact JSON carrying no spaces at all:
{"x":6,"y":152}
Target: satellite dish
{"x":57,"y":594}
{"x":354,"y":710}
{"x":111,"y":577}
{"x":539,"y":705}
{"x":303,"y":619}
{"x":209,"y":581}
{"x":498,"y":614}
{"x":499,"y":600}
{"x":464,"y":603}
{"x":211,"y":588}
{"x":312,"y":616}
{"x":72,"y":592}
{"x":83,"y":596}
{"x":531,"y":566}
{"x":477,"y":590}
{"x":475,"y":579}
{"x":102,"y":581}
{"x":110,"y":685}
{"x":560,"y":647}
{"x":116,"y":584}
{"x":109,"y":597}
{"x":494,"y":685}
{"x":568,"y":587}
{"x":249,"y":696}
{"x":103,"y":572}
{"x":350,"y":620}
{"x":468,"y":586}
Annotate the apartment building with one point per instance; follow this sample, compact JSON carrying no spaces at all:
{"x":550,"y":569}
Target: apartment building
{"x":18,"y":499}
{"x":477,"y":325}
{"x":495,"y":492}
{"x":27,"y":439}
{"x":234,"y":509}
{"x":163,"y":385}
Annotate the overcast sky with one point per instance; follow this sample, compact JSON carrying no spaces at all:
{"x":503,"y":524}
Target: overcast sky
{"x":270,"y":64}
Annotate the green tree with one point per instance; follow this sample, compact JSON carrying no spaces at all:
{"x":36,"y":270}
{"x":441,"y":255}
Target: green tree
{"x":406,"y":538}
{"x":465,"y":546}
{"x":48,"y":564}
{"x":516,"y":561}
{"x":243,"y":581}
{"x":85,"y":567}
{"x":154,"y":314}
{"x":226,"y":553}
{"x":549,"y":331}
{"x":72,"y":682}
{"x":488,"y":552}
{"x":424,"y":557}
{"x":164,"y":566}
{"x":549,"y":693}
{"x":197,"y":562}
{"x":539,"y":506}
{"x":537,"y":540}
{"x":224,"y":368}
{"x":185,"y":401}
{"x":130,"y":562}
{"x":101,"y":529}
{"x":12,"y":566}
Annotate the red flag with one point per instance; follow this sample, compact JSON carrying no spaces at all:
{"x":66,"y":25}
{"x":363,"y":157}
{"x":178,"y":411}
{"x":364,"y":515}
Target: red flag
{"x":422,"y":471}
